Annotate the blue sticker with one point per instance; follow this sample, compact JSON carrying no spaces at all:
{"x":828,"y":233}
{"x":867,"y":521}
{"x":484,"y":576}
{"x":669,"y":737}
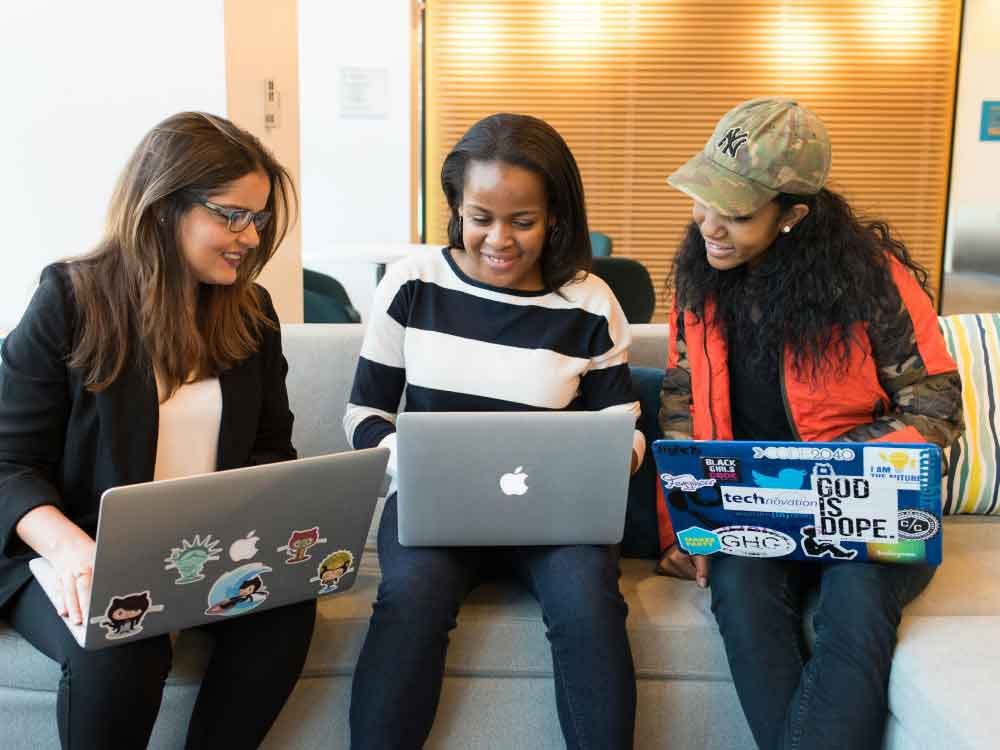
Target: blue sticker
{"x":698,"y":541}
{"x":238,"y":590}
{"x":990,"y":129}
{"x":787,"y":479}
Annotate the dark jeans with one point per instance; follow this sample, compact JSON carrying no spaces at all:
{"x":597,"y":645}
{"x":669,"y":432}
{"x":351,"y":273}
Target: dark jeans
{"x":837,"y":696}
{"x":110,"y":698}
{"x":398,"y":677}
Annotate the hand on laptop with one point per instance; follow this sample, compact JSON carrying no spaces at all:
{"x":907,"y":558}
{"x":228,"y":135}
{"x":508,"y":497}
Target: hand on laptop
{"x":678,"y":563}
{"x":69,"y":549}
{"x":74,"y":565}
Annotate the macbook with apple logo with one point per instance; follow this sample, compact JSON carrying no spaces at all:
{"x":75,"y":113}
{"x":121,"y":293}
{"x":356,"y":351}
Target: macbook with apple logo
{"x":513,"y":478}
{"x":177,"y":553}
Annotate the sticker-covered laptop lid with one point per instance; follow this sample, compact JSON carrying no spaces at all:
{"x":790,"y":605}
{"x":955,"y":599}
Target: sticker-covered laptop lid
{"x":825,"y":502}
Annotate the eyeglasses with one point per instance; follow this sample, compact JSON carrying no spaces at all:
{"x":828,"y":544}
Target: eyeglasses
{"x":238,"y":219}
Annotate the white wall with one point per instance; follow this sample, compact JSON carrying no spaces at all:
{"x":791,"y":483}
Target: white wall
{"x":355,"y":170}
{"x":974,"y":206}
{"x":82,"y":83}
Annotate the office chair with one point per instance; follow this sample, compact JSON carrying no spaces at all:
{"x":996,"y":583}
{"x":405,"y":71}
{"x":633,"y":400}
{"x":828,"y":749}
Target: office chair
{"x":325,"y":300}
{"x":631,"y":284}
{"x":600,"y":245}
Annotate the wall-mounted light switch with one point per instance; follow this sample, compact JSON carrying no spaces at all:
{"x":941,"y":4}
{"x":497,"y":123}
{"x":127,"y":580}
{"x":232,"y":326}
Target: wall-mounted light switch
{"x":272,"y":105}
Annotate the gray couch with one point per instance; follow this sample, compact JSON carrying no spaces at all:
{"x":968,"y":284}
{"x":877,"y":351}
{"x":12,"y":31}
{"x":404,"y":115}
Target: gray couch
{"x":498,"y":689}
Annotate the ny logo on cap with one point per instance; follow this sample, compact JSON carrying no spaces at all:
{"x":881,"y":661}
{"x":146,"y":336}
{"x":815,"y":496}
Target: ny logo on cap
{"x":733,"y":141}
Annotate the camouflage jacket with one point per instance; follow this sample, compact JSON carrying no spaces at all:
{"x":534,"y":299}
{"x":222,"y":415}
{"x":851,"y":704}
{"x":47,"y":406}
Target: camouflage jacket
{"x":901,"y":384}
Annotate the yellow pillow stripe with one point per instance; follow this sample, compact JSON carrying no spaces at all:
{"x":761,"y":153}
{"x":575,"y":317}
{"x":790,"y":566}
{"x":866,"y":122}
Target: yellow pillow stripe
{"x":973,"y":483}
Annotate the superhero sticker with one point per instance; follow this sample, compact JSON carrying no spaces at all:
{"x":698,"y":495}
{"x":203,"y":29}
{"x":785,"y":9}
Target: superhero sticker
{"x":124,"y":615}
{"x":191,"y":557}
{"x":238,"y":591}
{"x":299,"y":543}
{"x":334,"y":567}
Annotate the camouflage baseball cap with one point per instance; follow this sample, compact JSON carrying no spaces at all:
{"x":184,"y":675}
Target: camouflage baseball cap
{"x":759,"y":149}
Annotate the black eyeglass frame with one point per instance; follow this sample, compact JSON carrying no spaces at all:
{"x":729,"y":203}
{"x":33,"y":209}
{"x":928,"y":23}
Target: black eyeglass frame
{"x":235,"y":216}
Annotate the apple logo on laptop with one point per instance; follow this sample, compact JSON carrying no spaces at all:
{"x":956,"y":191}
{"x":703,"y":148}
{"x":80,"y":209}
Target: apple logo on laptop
{"x":244,"y":549}
{"x":513,"y":483}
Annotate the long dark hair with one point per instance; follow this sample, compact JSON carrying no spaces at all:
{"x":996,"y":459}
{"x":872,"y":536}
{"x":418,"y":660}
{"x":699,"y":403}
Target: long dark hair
{"x":134,"y":289}
{"x":810,"y":287}
{"x":525,"y":141}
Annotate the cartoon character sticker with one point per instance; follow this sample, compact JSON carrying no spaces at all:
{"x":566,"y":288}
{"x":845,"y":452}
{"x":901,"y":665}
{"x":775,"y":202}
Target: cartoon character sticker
{"x":814,"y":548}
{"x":124,"y":615}
{"x":238,"y":591}
{"x":299,"y":543}
{"x":334,"y":567}
{"x":191,"y":557}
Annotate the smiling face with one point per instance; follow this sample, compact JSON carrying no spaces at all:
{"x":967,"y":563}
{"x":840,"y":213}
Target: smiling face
{"x":505,"y":220}
{"x":731,"y":241}
{"x":211,"y":251}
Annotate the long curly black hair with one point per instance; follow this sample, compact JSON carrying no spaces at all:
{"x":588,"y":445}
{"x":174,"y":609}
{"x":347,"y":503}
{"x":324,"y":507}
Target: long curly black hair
{"x":809,"y":288}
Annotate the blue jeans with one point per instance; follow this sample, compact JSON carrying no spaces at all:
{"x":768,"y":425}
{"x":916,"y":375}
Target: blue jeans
{"x":397,"y":681}
{"x":837,"y":696}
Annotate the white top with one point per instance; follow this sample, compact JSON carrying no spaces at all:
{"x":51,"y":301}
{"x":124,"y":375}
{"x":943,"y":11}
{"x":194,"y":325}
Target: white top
{"x":187,"y":441}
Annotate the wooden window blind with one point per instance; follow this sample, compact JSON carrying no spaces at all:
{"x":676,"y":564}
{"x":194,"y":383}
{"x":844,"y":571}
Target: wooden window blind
{"x":636,"y":88}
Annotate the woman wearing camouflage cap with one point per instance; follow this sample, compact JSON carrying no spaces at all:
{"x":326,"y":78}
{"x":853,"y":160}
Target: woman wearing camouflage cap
{"x":794,"y":320}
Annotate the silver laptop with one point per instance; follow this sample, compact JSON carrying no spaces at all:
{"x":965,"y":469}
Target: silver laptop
{"x":513,"y":478}
{"x":183,"y":552}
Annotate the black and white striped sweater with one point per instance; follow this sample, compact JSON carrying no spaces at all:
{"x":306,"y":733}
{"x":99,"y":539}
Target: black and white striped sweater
{"x":452,"y":343}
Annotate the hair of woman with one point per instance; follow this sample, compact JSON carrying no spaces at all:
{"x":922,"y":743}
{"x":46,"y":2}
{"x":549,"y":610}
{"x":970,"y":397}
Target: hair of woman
{"x":136,"y":294}
{"x":525,"y":141}
{"x":810,"y":287}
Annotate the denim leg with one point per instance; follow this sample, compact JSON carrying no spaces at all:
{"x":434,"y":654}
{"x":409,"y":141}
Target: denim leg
{"x":397,"y":680}
{"x":758,"y":606}
{"x":584,"y":613}
{"x":842,"y":698}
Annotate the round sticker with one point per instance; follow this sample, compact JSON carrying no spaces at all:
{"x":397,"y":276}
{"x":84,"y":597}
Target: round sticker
{"x":754,"y":541}
{"x":917,"y":524}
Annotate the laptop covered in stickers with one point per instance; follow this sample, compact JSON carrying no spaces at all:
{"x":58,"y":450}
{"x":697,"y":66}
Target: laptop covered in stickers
{"x":177,"y":553}
{"x":822,"y":502}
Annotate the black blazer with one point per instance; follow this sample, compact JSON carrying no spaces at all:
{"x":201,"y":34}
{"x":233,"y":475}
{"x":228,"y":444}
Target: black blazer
{"x":62,"y":445}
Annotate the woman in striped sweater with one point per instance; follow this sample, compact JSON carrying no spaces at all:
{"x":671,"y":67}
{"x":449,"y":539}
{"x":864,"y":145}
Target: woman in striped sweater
{"x":511,"y":300}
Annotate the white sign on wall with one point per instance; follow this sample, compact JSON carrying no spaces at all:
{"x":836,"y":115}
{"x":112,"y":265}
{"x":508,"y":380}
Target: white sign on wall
{"x":364,"y":92}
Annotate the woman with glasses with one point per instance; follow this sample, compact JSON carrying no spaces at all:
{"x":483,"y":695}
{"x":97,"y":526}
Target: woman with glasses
{"x":154,"y":356}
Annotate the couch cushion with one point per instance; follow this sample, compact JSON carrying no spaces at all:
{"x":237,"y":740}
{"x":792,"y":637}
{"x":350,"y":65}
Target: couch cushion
{"x":962,"y":584}
{"x":321,"y":364}
{"x":942,"y":690}
{"x":973,"y":484}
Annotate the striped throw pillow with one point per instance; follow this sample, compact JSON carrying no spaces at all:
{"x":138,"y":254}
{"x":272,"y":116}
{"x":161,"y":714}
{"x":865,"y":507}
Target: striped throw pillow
{"x":973,"y":481}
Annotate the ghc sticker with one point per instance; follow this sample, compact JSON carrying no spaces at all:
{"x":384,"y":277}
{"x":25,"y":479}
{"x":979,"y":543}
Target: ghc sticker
{"x":697,"y":541}
{"x":754,"y":541}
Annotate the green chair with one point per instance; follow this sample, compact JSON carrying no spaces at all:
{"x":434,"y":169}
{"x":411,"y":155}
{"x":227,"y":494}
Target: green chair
{"x":600,"y":245}
{"x":325,"y":300}
{"x":631,"y":284}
